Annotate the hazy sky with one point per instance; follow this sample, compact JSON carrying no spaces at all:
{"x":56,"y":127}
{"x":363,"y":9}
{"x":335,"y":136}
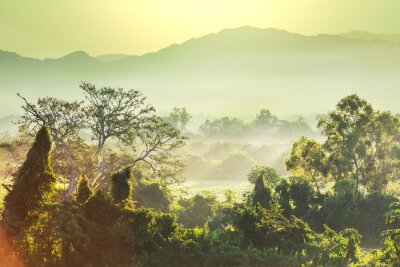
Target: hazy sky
{"x":52,"y":28}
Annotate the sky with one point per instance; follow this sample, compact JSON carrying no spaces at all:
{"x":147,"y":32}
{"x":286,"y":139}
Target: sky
{"x":50,"y":28}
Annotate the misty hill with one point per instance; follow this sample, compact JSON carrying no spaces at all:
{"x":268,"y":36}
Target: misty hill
{"x":111,"y":57}
{"x":235,"y":71}
{"x":367,"y":36}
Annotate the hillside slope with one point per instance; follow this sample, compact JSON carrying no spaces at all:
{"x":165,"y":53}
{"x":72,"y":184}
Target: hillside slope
{"x":234,"y":71}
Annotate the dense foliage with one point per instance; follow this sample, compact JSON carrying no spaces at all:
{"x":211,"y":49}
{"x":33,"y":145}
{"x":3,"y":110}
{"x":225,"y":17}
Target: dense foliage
{"x":135,"y":219}
{"x":33,"y":186}
{"x":361,"y":144}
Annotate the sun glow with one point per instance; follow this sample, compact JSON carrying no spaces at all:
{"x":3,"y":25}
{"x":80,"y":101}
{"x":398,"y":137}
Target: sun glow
{"x":7,"y":257}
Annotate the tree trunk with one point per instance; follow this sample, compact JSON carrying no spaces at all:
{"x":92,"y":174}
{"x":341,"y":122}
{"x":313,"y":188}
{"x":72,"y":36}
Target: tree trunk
{"x":71,"y":186}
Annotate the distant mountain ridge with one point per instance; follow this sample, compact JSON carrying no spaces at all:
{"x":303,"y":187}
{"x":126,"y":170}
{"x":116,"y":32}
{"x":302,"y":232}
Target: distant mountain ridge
{"x":112,"y":57}
{"x":79,"y":55}
{"x":234,"y":70}
{"x":367,"y":36}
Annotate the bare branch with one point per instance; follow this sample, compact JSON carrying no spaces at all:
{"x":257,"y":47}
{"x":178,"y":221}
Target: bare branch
{"x":32,"y":109}
{"x":7,"y":188}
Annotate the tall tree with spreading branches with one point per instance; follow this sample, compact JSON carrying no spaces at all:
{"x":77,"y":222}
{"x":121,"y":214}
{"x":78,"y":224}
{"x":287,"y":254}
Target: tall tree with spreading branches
{"x":114,"y":112}
{"x":64,"y":120}
{"x":111,"y":113}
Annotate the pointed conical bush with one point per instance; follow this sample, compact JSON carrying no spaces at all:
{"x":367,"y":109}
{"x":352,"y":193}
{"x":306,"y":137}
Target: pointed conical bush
{"x":84,"y":191}
{"x":34,"y":182}
{"x":121,"y":185}
{"x":262,"y":194}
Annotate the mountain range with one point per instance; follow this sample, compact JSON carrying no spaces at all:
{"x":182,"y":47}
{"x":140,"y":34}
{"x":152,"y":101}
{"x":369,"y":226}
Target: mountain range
{"x":367,"y":36}
{"x":234,"y":71}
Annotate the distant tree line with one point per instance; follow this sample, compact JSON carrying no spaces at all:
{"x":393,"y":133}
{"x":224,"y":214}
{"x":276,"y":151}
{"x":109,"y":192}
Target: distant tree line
{"x":264,"y":126}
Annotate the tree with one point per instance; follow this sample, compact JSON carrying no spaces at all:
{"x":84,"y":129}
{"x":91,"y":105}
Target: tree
{"x":383,"y":151}
{"x":301,"y":193}
{"x":265,"y":120}
{"x":223,"y":127}
{"x":198,"y":209}
{"x":270,"y":175}
{"x":307,"y":159}
{"x":179,"y":118}
{"x":262,"y":194}
{"x":109,"y":113}
{"x":158,"y":139}
{"x":14,"y":152}
{"x":101,"y":210}
{"x":63,"y":119}
{"x":336,"y":249}
{"x":84,"y":191}
{"x":341,"y":210}
{"x":58,"y":237}
{"x":73,"y":158}
{"x":294,"y":128}
{"x":361,"y":144}
{"x":283,"y":190}
{"x":345,"y":188}
{"x":391,"y":236}
{"x":125,"y":115}
{"x":353,"y":242}
{"x":114,"y":112}
{"x":121,"y":185}
{"x":345,"y":130}
{"x":34,"y":183}
{"x":230,"y":197}
{"x":152,"y":196}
